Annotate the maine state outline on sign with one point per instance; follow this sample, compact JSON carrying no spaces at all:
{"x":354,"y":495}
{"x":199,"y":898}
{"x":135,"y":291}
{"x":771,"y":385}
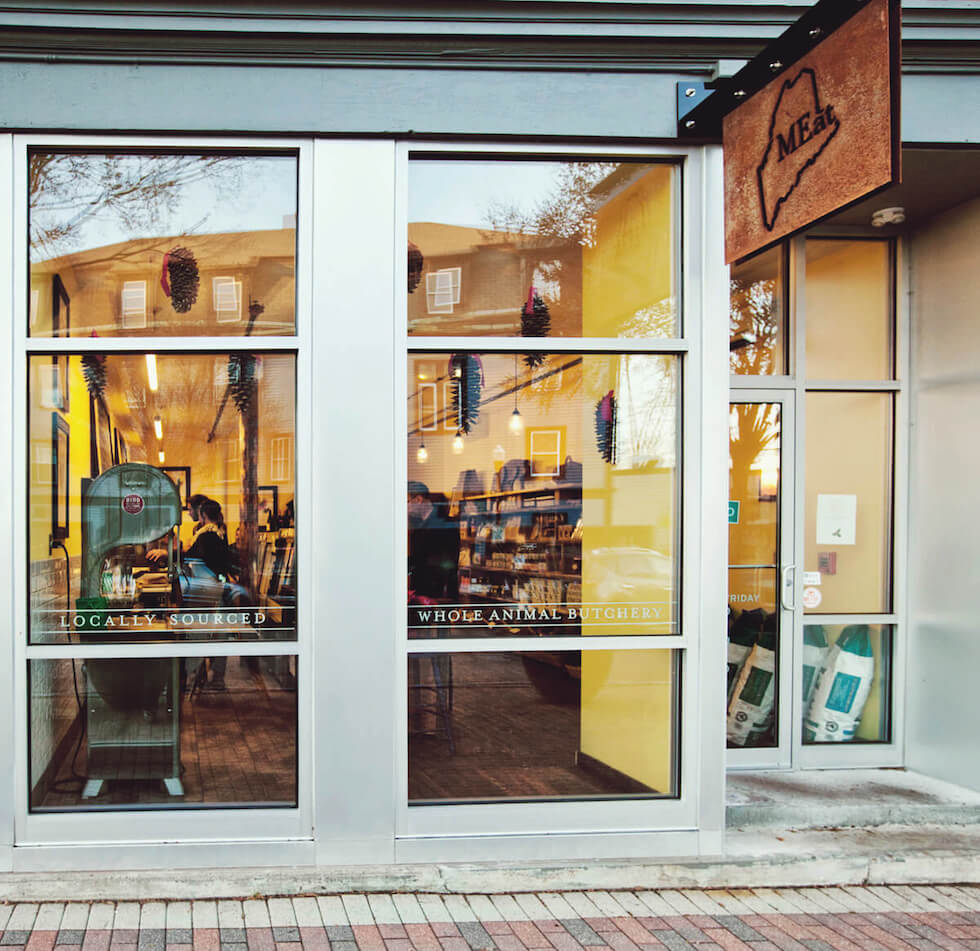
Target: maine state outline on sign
{"x":799,"y":131}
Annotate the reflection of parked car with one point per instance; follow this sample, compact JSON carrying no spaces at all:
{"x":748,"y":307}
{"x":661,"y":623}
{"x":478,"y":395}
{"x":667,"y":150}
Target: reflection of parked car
{"x":631,"y":574}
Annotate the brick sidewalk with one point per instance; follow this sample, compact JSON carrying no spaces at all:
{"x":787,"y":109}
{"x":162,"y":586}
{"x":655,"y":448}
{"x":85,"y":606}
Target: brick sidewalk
{"x":801,"y":919}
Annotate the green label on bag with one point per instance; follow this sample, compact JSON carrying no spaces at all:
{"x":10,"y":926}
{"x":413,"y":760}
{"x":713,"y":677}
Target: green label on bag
{"x":755,"y":686}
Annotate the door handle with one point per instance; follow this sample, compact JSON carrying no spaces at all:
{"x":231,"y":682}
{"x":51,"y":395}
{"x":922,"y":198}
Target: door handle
{"x":787,"y":587}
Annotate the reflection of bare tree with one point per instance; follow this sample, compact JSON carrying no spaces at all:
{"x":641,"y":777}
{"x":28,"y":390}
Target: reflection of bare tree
{"x":753,"y":428}
{"x":754,"y":325}
{"x":555,"y":230}
{"x":567,"y":212}
{"x":68,"y":190}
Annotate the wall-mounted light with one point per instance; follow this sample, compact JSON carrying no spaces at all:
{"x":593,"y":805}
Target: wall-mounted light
{"x":888,"y":216}
{"x":158,"y":426}
{"x":151,"y":372}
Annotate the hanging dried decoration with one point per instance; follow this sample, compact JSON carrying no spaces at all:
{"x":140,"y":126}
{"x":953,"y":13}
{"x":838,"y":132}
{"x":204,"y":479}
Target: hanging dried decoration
{"x":605,"y":427}
{"x":94,"y":371}
{"x":179,"y":278}
{"x":535,"y":322}
{"x":242,"y":379}
{"x":415,"y":263}
{"x":466,"y":372}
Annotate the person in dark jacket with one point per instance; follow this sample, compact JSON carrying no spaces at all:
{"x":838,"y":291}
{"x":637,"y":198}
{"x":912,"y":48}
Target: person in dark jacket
{"x":210,"y":541}
{"x":433,"y":545}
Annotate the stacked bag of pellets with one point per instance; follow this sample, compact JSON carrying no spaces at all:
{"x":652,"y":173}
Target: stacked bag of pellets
{"x":752,"y":659}
{"x":841,"y":687}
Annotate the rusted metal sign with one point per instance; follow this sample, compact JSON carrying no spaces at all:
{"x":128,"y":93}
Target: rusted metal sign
{"x":820,"y":135}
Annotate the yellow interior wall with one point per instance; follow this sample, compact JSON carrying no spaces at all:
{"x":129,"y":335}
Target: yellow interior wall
{"x":628,"y":271}
{"x":848,"y":452}
{"x":848,"y":310}
{"x":627,"y":713}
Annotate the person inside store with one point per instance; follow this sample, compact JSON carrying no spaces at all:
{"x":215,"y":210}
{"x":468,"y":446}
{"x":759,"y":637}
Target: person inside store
{"x":433,"y":545}
{"x":209,"y":543}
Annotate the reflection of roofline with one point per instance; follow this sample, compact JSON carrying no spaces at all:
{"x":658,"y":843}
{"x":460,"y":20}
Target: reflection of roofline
{"x":473,"y":240}
{"x":121,"y":250}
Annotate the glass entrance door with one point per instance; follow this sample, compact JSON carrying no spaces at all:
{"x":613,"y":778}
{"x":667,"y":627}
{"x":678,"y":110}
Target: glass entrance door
{"x":760,"y":579}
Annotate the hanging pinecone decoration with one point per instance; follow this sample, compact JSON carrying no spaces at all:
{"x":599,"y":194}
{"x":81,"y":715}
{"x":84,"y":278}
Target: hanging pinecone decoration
{"x":415,"y":262}
{"x":179,"y":278}
{"x":535,"y":322}
{"x":466,"y":372}
{"x":94,"y":371}
{"x":241,"y":379}
{"x":605,"y":427}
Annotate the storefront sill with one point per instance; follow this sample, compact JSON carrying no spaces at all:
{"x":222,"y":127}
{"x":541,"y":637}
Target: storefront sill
{"x":762,"y":857}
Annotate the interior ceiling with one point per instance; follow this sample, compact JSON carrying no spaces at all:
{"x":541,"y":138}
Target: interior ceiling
{"x":933,"y":181}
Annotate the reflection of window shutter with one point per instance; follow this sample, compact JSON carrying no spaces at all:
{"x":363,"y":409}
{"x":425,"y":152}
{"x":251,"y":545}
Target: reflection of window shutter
{"x":133,"y":305}
{"x":227,"y":296}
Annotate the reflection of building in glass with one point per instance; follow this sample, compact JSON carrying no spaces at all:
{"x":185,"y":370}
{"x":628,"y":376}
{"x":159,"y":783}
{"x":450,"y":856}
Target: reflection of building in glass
{"x":598,"y":252}
{"x":247,"y":284}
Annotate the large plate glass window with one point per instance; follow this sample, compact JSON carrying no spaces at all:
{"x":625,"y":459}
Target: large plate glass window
{"x":543,"y":482}
{"x":161,"y":487}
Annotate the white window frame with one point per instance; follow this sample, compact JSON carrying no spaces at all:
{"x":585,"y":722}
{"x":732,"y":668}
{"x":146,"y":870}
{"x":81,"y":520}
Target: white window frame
{"x":219,"y":292}
{"x":164,"y":837}
{"x":442,"y":290}
{"x":280,"y":453}
{"x":132,"y":318}
{"x":540,"y":432}
{"x":693,"y":823}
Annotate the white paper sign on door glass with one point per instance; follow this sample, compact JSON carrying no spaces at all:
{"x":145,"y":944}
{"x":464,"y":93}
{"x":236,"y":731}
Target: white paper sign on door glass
{"x":836,"y":519}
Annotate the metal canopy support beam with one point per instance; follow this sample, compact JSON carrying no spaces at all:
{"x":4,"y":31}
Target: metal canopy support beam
{"x":703,"y":121}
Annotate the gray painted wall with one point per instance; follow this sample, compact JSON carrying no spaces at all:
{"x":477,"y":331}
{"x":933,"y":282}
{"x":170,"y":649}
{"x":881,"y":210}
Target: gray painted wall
{"x":943,"y":710}
{"x":426,"y":102}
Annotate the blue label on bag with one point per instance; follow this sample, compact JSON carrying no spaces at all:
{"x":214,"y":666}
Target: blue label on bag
{"x":843,"y":692}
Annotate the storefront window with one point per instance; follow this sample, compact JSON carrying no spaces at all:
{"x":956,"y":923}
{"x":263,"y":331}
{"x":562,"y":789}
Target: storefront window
{"x":543,"y":494}
{"x":531,"y":725}
{"x":757,"y":315}
{"x":542,"y":249}
{"x":161,"y":497}
{"x":847,"y":683}
{"x":155,"y":732}
{"x":139,"y":245}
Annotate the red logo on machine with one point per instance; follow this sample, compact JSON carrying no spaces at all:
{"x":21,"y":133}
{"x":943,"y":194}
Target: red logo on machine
{"x":133,"y":504}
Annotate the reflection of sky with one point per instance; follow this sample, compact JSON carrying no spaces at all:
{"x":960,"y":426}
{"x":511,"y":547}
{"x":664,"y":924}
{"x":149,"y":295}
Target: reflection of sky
{"x":459,"y":193}
{"x":263,"y":193}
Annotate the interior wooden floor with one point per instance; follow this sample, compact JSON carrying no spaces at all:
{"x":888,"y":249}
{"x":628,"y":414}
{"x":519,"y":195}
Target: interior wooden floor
{"x":237,"y":746}
{"x":515,"y":725}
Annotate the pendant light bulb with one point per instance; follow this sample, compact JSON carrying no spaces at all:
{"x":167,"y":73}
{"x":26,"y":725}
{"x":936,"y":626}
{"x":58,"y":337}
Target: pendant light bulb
{"x":158,"y":427}
{"x":516,"y":421}
{"x":161,"y":455}
{"x":423,"y":454}
{"x":458,"y":442}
